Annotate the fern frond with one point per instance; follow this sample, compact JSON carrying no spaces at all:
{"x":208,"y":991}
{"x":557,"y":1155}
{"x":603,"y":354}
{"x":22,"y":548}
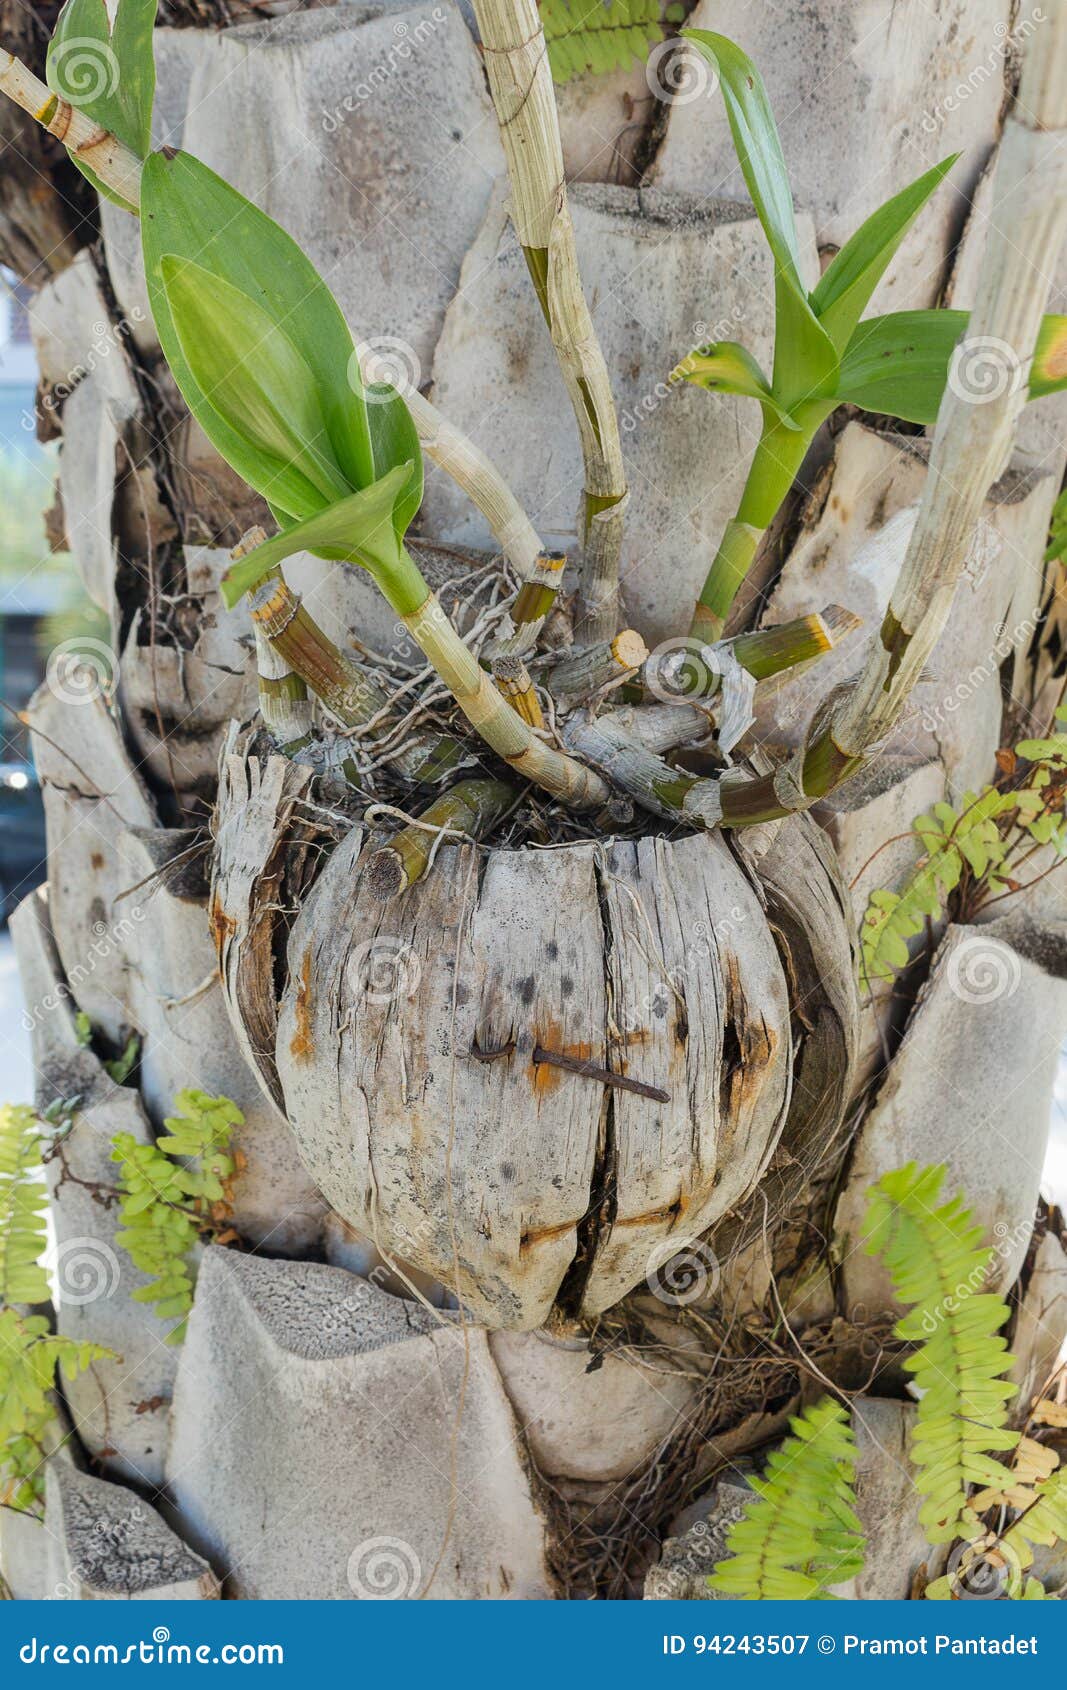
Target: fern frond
{"x":29,"y":1356}
{"x":169,"y":1204}
{"x":1043,"y":1522}
{"x":1001,"y":1561}
{"x":801,"y":1533}
{"x":937,"y":1262}
{"x":23,"y":1200}
{"x":950,"y":839}
{"x":978,"y":837}
{"x":592,"y":37}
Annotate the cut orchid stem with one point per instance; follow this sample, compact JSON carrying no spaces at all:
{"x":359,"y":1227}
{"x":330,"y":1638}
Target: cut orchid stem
{"x":690,"y":671}
{"x":599,"y":666}
{"x":284,"y":703}
{"x":106,"y":156}
{"x":520,"y":82}
{"x":513,"y":678}
{"x":667,"y":792}
{"x":490,"y":715}
{"x":663,"y":727}
{"x":286,"y":709}
{"x":472,"y":808}
{"x":767,"y":652}
{"x":280,"y":618}
{"x":283,"y":699}
{"x":351,"y":694}
{"x":533,"y":602}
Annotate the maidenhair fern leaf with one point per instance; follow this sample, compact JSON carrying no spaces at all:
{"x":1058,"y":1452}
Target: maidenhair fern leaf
{"x":22,"y":1202}
{"x":801,"y":1534}
{"x":937,"y":1262}
{"x":592,"y":37}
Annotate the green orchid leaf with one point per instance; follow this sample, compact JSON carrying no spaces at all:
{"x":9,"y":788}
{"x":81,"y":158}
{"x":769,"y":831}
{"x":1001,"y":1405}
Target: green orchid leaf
{"x":847,"y":284}
{"x":188,"y":212}
{"x":898,"y":365}
{"x":805,"y":361}
{"x":252,"y":376}
{"x":755,"y":136}
{"x":723,"y":366}
{"x":358,"y":529}
{"x":106,"y":71}
{"x":395,"y":440}
{"x":726,"y":367}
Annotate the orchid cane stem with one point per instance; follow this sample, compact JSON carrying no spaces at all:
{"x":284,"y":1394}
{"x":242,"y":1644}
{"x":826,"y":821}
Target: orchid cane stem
{"x":520,"y":82}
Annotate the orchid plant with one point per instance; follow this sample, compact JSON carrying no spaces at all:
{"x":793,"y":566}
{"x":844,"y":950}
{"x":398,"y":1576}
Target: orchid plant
{"x":825,"y":353}
{"x":268,"y":366}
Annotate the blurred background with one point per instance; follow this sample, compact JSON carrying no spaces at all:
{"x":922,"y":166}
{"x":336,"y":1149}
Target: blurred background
{"x":42,"y":603}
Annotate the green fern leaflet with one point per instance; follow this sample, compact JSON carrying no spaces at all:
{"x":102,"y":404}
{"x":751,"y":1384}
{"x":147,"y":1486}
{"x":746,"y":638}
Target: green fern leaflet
{"x":168,"y":1205}
{"x":592,"y":37}
{"x":937,"y":1262}
{"x":801,"y":1535}
{"x":990,"y":835}
{"x":22,"y":1202}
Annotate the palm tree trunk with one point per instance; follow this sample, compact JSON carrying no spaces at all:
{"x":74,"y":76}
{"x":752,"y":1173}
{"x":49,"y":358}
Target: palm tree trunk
{"x":618,"y":1103}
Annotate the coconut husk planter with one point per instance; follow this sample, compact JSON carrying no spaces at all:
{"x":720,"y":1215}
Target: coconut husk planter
{"x":541,"y":1074}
